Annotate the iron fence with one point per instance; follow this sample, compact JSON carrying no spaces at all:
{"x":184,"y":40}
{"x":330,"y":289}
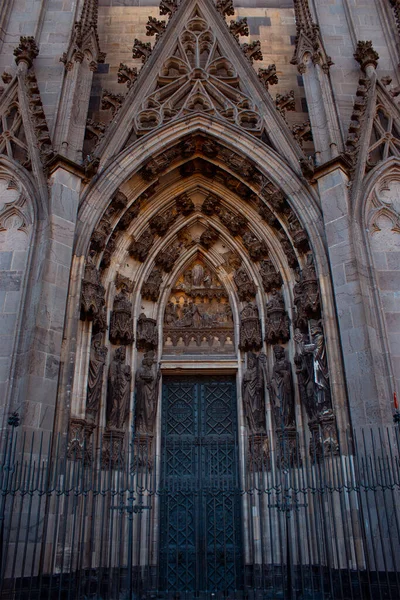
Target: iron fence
{"x":107,"y":521}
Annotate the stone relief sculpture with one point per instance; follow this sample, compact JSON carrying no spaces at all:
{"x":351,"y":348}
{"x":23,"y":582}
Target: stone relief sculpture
{"x":147,"y":380}
{"x":92,"y":297}
{"x":98,"y":355}
{"x":257,"y":248}
{"x":167,"y":258}
{"x":151,"y":287}
{"x":306,"y":295}
{"x":139,"y":249}
{"x":270,"y":277}
{"x":245,"y":285}
{"x":147,"y":334}
{"x":280,"y":386}
{"x":277,"y":321}
{"x":250,"y":328}
{"x":198,"y":310}
{"x":121,"y":323}
{"x":118,"y":391}
{"x":253,"y":394}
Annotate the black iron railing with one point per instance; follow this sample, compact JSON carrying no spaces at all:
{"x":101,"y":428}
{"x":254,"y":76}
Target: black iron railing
{"x":287,"y":520}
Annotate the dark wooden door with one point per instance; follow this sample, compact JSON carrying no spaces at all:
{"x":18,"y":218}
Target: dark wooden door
{"x":200,"y":542}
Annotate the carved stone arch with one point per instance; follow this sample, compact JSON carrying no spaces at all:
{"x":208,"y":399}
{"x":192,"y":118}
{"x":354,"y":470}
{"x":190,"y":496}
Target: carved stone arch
{"x":378,"y":275}
{"x":21,"y":240}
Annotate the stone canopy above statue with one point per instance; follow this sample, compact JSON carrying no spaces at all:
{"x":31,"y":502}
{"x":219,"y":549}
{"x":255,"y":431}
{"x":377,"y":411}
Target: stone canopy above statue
{"x":198,"y":317}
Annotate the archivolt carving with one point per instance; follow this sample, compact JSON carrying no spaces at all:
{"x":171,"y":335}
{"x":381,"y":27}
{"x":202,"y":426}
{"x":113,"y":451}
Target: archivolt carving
{"x":250,"y":328}
{"x":121,"y":323}
{"x":277,"y":322}
{"x":93,"y":297}
{"x":197,"y":77}
{"x":245,"y":285}
{"x":151,"y":287}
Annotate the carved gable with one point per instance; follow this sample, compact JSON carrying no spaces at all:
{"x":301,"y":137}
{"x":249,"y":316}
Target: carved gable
{"x":198,"y":77}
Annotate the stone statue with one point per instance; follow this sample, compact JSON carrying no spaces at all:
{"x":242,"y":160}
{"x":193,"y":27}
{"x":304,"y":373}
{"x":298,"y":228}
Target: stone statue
{"x":281,"y":390}
{"x":250,"y":328}
{"x":118,"y":390}
{"x":277,"y":322}
{"x":98,"y":355}
{"x":253,"y":394}
{"x":321,"y":372}
{"x":151,"y":287}
{"x":245,"y":285}
{"x":147,"y":380}
{"x":121,"y":323}
{"x":305,"y":375}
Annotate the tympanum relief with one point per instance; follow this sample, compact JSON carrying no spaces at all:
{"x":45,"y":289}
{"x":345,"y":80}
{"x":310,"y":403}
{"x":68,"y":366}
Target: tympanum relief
{"x":198,"y":316}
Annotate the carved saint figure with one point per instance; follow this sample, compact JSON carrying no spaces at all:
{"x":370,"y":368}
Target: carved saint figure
{"x":281,"y":389}
{"x":98,"y":354}
{"x":171,"y":314}
{"x":147,"y":379}
{"x":118,"y":391}
{"x":245,"y":286}
{"x":321,"y":372}
{"x":250,"y":328}
{"x":253,"y":394}
{"x":121,"y":324}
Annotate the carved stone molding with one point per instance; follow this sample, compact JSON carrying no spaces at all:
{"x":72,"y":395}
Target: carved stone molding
{"x":161,"y":223}
{"x":259,"y":453}
{"x":155,"y":27}
{"x":168,"y":257}
{"x":257,"y":249}
{"x":277,"y":321}
{"x":146,"y":333}
{"x":211,"y":205}
{"x":141,"y":50}
{"x":252,"y":51}
{"x":288,"y":448}
{"x":298,"y":234}
{"x":111,"y":101}
{"x":250,"y":328}
{"x":225,"y":7}
{"x":285,"y":102}
{"x":308,"y":39}
{"x":184,"y":205}
{"x":268,"y":76}
{"x":168,"y":7}
{"x":100,"y":235}
{"x":235,"y":223}
{"x":239,"y":28}
{"x":123,"y":282}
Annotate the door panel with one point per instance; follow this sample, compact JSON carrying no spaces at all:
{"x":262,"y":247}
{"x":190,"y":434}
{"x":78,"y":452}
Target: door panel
{"x":200,"y":544}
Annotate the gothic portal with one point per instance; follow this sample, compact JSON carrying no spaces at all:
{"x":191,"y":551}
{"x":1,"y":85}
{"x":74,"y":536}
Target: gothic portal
{"x":199,"y":298}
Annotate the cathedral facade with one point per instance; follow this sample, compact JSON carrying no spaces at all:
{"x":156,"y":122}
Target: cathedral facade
{"x":200,"y":293}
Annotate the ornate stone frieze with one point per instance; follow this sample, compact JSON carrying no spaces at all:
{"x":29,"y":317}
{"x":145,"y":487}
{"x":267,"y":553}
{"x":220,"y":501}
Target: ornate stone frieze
{"x":139,"y":249}
{"x":198,"y":315}
{"x":127,"y":75}
{"x":147,"y":383}
{"x":268,"y":76}
{"x":118,"y":391}
{"x":208,"y":238}
{"x":250,"y":328}
{"x":277,"y":321}
{"x":257,"y":249}
{"x":151,"y":287}
{"x":98,"y":355}
{"x":121,"y":323}
{"x":146,"y":333}
{"x":93,"y":297}
{"x":197,"y":78}
{"x":253,"y":393}
{"x":246,"y":287}
{"x":281,"y":389}
{"x":271,"y":278}
{"x":168,"y":257}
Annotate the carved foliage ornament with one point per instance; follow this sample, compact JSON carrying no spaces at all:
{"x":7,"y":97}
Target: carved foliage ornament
{"x":197,"y":78}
